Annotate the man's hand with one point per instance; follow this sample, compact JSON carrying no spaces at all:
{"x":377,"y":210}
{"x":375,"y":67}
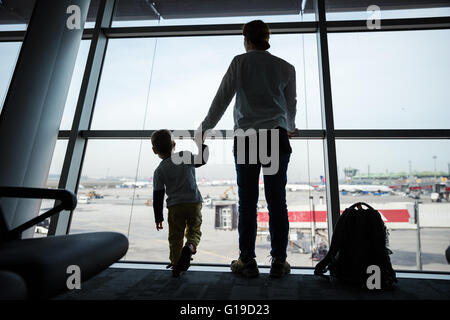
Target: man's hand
{"x":199,"y":137}
{"x":321,"y":267}
{"x":159,"y":226}
{"x":294,"y":133}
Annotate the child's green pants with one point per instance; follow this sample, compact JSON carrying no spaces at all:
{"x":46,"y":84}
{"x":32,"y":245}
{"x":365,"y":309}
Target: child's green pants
{"x":184,"y":220}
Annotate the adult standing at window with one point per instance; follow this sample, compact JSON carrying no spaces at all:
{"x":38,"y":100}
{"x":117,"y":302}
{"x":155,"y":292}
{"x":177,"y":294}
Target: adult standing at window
{"x":265,"y":91}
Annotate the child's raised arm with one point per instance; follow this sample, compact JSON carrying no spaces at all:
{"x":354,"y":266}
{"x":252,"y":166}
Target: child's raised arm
{"x":158,"y":205}
{"x":201,"y":158}
{"x":158,"y":199}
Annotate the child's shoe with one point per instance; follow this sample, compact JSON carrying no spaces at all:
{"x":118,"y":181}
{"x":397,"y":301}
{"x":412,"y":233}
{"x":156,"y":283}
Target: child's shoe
{"x":185,"y":259}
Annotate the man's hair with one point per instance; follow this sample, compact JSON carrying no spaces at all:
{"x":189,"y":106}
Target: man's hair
{"x":162,"y":142}
{"x":257,"y":32}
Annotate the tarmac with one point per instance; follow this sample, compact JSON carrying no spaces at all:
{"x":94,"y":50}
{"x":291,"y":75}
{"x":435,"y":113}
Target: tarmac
{"x":118,"y":211}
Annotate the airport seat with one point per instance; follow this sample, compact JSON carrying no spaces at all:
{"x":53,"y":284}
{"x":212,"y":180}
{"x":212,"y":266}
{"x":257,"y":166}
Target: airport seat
{"x":43,"y":262}
{"x":12,"y":286}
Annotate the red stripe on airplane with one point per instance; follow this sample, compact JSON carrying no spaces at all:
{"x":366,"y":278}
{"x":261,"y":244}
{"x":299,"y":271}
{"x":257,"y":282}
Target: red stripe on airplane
{"x":391,"y":215}
{"x":395,"y":215}
{"x":421,"y":187}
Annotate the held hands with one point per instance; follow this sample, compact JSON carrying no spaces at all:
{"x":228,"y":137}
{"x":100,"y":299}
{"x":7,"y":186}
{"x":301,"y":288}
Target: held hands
{"x":159,"y":226}
{"x":322,"y":266}
{"x":199,"y":137}
{"x":295,"y":133}
{"x":319,"y":269}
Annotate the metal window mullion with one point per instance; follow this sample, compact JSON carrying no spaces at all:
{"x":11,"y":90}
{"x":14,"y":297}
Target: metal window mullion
{"x":205,"y":30}
{"x":405,"y":24}
{"x":304,"y":134}
{"x":145,"y":134}
{"x":401,"y":24}
{"x":12,"y":36}
{"x":361,"y":134}
{"x":329,"y":143}
{"x":18,"y":36}
{"x":341,"y":134}
{"x":73,"y":161}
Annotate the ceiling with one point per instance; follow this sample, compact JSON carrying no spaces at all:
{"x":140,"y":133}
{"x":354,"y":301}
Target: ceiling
{"x":19,"y":11}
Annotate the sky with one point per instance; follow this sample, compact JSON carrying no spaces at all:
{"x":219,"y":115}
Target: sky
{"x":385,"y":80}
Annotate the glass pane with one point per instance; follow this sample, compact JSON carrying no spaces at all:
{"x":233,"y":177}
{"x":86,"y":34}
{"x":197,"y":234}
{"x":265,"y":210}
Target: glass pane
{"x":123,"y":89}
{"x":393,"y":175}
{"x":57,"y":163}
{"x":105,"y":195}
{"x":9,"y":52}
{"x":362,"y":10}
{"x":191,"y":80}
{"x":182,"y":12}
{"x":75,"y":86}
{"x":148,"y":94}
{"x":92,"y":14}
{"x":390,"y":80}
{"x":52,"y":182}
{"x":306,"y":199}
{"x":116,"y":194}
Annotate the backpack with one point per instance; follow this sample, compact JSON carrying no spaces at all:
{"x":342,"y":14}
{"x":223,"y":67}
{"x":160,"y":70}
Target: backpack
{"x":359,"y":240}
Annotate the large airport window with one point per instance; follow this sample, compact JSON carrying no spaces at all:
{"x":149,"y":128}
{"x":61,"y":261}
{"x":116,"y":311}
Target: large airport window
{"x":180,"y":76}
{"x":116,"y":194}
{"x":380,"y":80}
{"x":390,"y":80}
{"x":9,"y":52}
{"x":408,"y":182}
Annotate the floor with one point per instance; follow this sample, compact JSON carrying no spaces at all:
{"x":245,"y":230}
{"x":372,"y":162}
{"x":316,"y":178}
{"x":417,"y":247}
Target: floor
{"x":207,"y":283}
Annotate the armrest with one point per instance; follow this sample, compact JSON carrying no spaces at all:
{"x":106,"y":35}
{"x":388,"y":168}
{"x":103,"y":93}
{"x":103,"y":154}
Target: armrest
{"x":67,"y":198}
{"x":67,"y":201}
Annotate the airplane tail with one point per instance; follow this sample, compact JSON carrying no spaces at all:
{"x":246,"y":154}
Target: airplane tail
{"x":322,"y":179}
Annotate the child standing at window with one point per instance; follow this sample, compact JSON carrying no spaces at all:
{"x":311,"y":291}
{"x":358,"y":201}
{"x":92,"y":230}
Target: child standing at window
{"x":175,"y":176}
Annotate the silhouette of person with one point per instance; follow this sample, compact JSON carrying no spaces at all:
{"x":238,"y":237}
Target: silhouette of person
{"x":265,"y":89}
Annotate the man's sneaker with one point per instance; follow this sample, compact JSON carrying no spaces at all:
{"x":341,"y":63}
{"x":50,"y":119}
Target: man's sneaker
{"x":247,"y":269}
{"x":279,"y":268}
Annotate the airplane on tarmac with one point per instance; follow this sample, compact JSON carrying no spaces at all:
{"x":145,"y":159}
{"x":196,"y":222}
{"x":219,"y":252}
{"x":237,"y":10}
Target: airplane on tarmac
{"x":299,"y":187}
{"x":357,"y":188}
{"x":362,"y":188}
{"x":137,"y":184}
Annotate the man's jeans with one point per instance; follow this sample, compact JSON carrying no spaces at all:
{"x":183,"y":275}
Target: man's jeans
{"x":275,"y":192}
